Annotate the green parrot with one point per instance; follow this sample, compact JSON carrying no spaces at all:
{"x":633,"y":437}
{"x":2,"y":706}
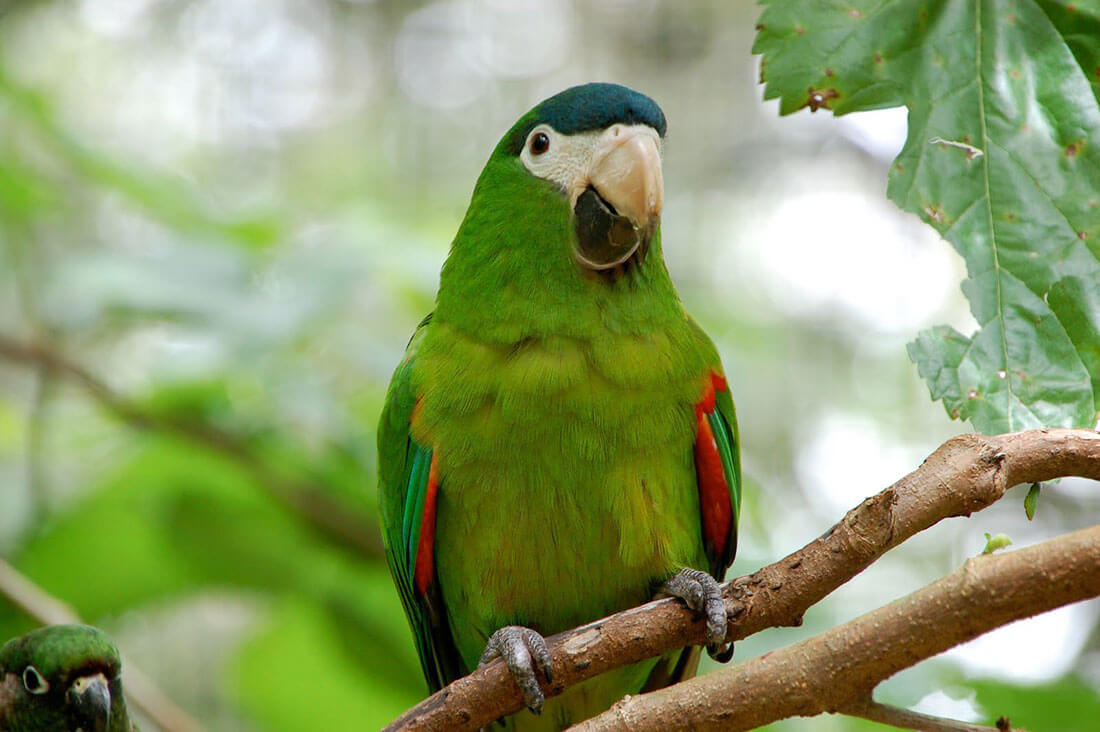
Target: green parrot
{"x":559,"y":442}
{"x":62,"y":678}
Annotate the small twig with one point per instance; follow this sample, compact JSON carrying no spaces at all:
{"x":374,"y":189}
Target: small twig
{"x":32,"y":599}
{"x":964,"y":475}
{"x":908,"y":719}
{"x":154,"y":703}
{"x":46,"y":609}
{"x":36,"y":438}
{"x":335,"y":519}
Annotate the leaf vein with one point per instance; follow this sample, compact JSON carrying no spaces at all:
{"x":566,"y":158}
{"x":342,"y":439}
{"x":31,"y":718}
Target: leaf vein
{"x":978,"y":54}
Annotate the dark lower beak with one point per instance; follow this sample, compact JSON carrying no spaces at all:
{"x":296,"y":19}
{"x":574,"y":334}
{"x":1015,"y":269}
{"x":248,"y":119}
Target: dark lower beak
{"x":617,"y":213}
{"x":90,"y":699}
{"x":605,"y":238}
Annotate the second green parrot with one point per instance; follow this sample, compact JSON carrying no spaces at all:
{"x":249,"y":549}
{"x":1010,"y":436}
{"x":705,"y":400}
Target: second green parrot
{"x":559,"y":442}
{"x":62,"y":678}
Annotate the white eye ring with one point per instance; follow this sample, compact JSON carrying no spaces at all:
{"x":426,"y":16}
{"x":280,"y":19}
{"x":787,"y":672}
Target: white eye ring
{"x":34,"y":682}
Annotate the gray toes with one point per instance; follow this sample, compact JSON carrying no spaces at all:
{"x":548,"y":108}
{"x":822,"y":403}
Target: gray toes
{"x":687,"y":587}
{"x":703,"y":594}
{"x":536,"y":644}
{"x":522,"y":650}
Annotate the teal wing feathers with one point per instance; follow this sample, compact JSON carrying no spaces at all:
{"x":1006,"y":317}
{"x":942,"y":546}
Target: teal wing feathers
{"x":407,"y":486}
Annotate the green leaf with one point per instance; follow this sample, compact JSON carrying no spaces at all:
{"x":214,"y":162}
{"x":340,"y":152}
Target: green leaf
{"x":1002,"y":158}
{"x":1075,"y":301}
{"x":1032,"y":500}
{"x":938,"y":353}
{"x":1079,"y":24}
{"x":993,"y":543}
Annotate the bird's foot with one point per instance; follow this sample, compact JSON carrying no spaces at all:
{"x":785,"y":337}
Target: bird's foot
{"x":523,"y":650}
{"x":702,"y":593}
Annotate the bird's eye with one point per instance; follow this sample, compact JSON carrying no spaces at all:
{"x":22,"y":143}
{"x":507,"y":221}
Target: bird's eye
{"x":33,"y":681}
{"x":540,"y":143}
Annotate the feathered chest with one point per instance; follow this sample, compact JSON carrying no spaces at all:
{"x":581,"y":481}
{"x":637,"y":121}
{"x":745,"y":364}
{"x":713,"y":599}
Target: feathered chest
{"x":559,"y":461}
{"x":557,"y":405}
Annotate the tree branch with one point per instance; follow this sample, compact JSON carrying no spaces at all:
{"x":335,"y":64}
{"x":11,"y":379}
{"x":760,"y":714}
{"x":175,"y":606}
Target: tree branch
{"x":838,"y":669}
{"x":335,"y":519}
{"x":907,"y":719}
{"x":36,"y":438}
{"x":965,"y":474}
{"x":140,"y":690}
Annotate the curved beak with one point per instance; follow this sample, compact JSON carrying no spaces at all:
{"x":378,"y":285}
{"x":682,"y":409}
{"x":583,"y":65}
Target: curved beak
{"x":90,"y":697}
{"x":619,"y":204}
{"x":626,"y":172}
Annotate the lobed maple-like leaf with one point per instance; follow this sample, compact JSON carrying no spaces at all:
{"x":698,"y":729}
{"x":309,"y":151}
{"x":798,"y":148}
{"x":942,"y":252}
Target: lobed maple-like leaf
{"x":1002,"y":158}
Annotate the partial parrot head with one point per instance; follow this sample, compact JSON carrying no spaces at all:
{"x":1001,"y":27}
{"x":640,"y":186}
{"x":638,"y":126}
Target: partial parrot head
{"x":567,"y":208}
{"x":63,"y":678}
{"x":600,"y":146}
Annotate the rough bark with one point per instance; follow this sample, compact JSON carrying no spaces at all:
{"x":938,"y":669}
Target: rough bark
{"x":837,"y":670}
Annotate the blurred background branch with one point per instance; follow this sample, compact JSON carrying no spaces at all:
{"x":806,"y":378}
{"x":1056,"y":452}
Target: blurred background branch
{"x":339,"y":522}
{"x":906,"y":719}
{"x":33,"y":600}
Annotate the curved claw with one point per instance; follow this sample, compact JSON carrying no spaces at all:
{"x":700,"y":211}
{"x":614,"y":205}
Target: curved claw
{"x":703,"y":594}
{"x":522,"y":650}
{"x":722,"y":653}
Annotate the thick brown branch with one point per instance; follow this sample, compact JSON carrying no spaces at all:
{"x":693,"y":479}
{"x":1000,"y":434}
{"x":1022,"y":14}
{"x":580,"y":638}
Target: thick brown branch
{"x":339,"y":522}
{"x":839,"y":668}
{"x":965,"y":474}
{"x":38,"y":604}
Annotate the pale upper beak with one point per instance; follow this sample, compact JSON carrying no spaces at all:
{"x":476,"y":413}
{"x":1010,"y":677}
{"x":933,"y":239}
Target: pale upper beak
{"x":90,"y":696}
{"x":626,"y":172}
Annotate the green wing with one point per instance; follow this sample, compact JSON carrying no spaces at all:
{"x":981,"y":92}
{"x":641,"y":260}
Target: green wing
{"x":723,"y":423}
{"x":405,"y":493}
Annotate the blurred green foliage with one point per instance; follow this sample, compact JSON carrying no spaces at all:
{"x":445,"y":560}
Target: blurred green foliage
{"x":1068,"y":705}
{"x":219,"y":224}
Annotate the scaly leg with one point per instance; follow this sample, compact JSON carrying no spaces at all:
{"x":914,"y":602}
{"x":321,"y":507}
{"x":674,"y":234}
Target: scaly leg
{"x":522,"y":650}
{"x":702,"y":593}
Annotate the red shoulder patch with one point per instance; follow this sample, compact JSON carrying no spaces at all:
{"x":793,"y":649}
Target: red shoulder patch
{"x":425,"y":550}
{"x":714,"y":491}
